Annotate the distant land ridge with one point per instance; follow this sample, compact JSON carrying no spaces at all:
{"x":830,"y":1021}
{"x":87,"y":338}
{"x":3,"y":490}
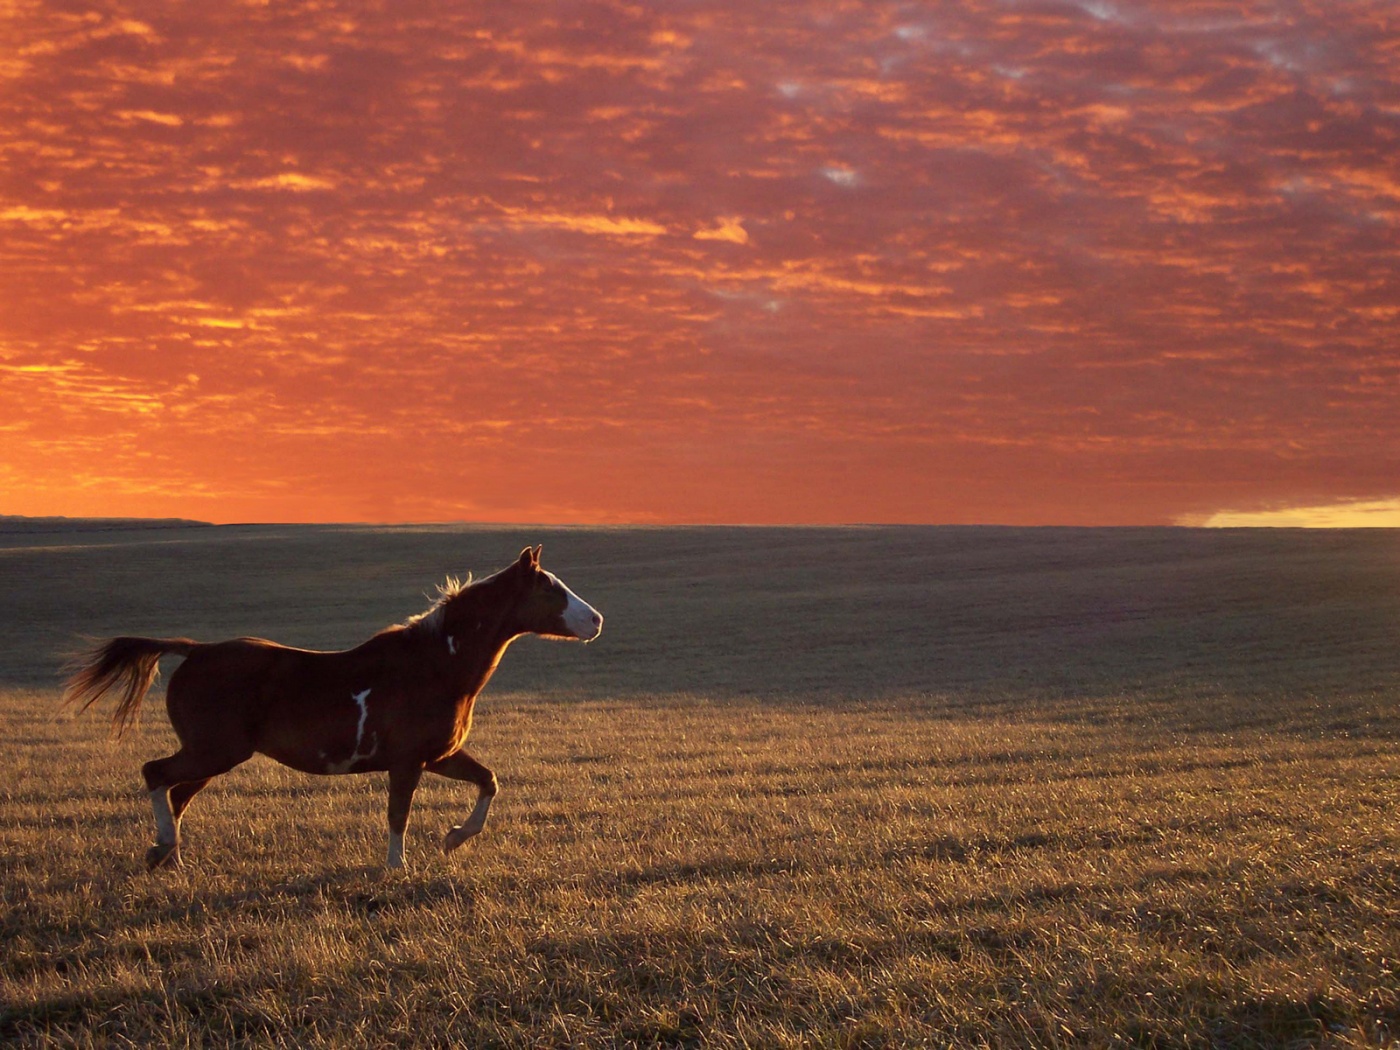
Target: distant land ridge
{"x":58,"y":523}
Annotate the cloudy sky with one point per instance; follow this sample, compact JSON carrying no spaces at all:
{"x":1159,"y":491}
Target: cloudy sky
{"x":1090,"y":262}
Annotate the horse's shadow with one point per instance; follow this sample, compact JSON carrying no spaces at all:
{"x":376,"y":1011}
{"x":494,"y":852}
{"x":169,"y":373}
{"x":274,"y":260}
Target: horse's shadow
{"x":364,"y":891}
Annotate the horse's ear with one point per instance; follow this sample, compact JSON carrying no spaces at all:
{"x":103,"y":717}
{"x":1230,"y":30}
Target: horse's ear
{"x":539,"y":549}
{"x":530,"y":557}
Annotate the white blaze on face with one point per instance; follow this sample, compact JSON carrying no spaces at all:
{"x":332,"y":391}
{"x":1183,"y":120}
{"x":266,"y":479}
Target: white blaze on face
{"x":580,"y":618}
{"x":451,"y":645}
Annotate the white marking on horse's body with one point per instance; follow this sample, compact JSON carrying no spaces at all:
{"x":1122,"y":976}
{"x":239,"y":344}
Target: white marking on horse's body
{"x":580,"y":618}
{"x":166,"y":834}
{"x":395,"y":857}
{"x":451,"y":645}
{"x":362,"y":699}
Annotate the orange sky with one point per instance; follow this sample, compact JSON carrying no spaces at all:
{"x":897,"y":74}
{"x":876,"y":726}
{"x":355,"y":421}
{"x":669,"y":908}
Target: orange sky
{"x":1089,"y":262}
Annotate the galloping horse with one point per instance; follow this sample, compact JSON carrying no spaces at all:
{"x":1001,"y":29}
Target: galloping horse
{"x":400,"y":702}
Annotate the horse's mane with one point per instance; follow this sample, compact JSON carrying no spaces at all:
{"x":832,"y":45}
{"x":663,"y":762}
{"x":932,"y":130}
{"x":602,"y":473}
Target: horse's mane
{"x":430,"y":619}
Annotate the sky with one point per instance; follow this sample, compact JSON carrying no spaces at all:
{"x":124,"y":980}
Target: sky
{"x":1084,"y":263}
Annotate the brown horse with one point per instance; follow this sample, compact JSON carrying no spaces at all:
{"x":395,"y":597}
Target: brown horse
{"x":401,"y":702}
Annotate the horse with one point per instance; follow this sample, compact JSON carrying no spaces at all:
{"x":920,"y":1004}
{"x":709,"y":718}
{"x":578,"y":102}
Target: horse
{"x":400,"y":702}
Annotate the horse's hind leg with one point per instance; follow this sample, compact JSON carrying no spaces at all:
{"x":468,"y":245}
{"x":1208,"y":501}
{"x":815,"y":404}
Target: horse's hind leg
{"x":172,"y":782}
{"x":180,"y":796}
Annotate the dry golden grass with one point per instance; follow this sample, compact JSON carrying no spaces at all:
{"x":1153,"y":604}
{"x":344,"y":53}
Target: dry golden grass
{"x":1167,"y":862}
{"x":722,"y":874}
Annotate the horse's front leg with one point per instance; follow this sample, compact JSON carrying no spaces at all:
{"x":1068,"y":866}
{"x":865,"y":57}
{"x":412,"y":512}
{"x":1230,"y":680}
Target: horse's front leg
{"x":403,"y":782}
{"x":461,"y":766}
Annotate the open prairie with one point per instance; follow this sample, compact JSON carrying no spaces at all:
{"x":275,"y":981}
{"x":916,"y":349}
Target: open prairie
{"x":811,"y":787}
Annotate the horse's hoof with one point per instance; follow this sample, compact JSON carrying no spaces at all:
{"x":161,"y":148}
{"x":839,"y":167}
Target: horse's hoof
{"x":456,"y":836}
{"x":162,"y":856}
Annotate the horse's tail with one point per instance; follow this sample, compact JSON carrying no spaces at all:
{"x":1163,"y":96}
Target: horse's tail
{"x":129,"y":666}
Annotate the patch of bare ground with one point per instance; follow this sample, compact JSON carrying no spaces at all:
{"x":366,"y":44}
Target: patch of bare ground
{"x":696,"y":872}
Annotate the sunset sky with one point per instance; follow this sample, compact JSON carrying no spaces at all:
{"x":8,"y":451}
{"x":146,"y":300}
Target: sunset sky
{"x":1090,"y":262}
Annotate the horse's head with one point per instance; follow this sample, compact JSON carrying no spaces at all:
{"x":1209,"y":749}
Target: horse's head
{"x":549,"y":608}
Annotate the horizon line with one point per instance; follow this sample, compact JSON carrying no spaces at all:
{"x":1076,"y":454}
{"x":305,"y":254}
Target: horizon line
{"x":1329,"y":517}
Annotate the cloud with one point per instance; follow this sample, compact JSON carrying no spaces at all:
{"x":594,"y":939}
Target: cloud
{"x":607,"y":225}
{"x":289,"y":180}
{"x":1148,"y":248}
{"x":727,"y":229}
{"x":1349,"y":514}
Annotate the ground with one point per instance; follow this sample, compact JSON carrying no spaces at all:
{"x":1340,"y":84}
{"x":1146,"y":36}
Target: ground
{"x":815,"y":788}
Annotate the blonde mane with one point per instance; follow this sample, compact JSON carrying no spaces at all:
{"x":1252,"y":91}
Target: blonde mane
{"x":430,"y":619}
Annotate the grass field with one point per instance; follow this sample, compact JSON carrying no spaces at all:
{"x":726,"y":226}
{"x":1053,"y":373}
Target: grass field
{"x":862,"y":787}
